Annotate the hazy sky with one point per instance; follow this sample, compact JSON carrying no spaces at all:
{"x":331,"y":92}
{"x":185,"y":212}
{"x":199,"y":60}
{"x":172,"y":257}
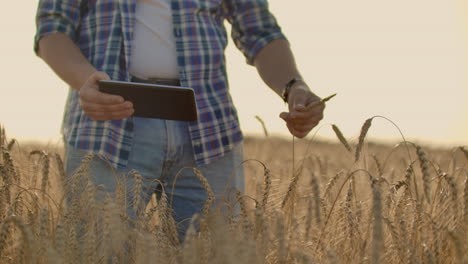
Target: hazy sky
{"x":403,"y":59}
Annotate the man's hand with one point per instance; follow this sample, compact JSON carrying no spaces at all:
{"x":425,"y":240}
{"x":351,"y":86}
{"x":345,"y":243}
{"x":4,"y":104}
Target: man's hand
{"x":102,"y":106}
{"x":300,"y":120}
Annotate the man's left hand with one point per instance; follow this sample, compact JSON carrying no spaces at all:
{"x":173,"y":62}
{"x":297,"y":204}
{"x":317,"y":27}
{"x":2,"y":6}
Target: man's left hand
{"x":300,"y":120}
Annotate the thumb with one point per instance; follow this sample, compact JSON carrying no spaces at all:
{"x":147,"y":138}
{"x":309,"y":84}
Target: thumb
{"x":284,"y":116}
{"x":98,"y":75}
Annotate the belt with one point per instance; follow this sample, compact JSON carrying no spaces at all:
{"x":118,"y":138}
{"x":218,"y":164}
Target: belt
{"x":161,"y":81}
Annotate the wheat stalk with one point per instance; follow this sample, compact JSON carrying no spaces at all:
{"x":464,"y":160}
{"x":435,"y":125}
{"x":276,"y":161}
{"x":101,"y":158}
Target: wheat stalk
{"x":282,"y":243}
{"x":402,"y":226}
{"x":246,"y":226}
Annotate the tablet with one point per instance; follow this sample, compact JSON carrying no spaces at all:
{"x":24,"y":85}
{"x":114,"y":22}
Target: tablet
{"x":154,"y":100}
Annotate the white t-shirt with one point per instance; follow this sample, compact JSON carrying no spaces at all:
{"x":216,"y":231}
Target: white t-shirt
{"x":153,"y":47}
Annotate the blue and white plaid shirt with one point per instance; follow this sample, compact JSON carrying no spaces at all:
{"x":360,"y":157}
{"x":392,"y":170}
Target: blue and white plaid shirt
{"x":103,"y":29}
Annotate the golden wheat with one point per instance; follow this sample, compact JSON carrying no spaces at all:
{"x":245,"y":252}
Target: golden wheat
{"x":316,"y":216}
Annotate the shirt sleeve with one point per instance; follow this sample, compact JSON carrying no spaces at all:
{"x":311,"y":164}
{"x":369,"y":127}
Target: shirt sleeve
{"x":253,"y":26}
{"x":57,"y":16}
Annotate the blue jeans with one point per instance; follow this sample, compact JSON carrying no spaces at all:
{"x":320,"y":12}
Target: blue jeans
{"x":162,"y":153}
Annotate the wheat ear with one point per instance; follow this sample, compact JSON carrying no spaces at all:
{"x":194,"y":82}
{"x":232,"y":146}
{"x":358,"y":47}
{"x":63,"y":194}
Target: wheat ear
{"x":167,"y":221}
{"x":211,"y":197}
{"x":464,"y":152}
{"x":266,"y":191}
{"x":45,"y":174}
{"x":362,"y":135}
{"x":342,"y":139}
{"x":265,"y":131}
{"x":246,"y":226}
{"x":61,"y":168}
{"x":291,"y":190}
{"x":423,"y":163}
{"x":26,"y":235}
{"x":137,"y":191}
{"x":316,"y":194}
{"x":2,"y":137}
{"x":465,"y":199}
{"x":377,"y":238}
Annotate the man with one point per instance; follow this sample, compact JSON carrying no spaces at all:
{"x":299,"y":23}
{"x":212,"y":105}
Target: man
{"x":175,"y":41}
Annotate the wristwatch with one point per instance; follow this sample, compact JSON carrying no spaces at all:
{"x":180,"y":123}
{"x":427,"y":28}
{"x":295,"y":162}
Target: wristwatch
{"x":288,"y":86}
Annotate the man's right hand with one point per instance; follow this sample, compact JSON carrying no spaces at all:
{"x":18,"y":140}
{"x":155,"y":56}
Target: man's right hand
{"x":102,"y":106}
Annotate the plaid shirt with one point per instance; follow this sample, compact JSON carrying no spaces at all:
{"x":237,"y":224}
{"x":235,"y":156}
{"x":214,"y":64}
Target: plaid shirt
{"x":103,"y":29}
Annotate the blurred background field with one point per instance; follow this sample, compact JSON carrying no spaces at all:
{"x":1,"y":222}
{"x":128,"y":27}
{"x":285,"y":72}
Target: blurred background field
{"x":346,"y":202}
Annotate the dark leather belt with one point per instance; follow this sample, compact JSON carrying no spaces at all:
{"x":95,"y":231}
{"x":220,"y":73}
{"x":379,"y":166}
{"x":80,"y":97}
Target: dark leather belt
{"x":171,"y":82}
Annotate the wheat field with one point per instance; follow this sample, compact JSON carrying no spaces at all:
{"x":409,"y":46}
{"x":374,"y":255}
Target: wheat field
{"x":306,"y":201}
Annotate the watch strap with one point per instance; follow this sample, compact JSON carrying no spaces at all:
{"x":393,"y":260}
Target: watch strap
{"x":287,"y":88}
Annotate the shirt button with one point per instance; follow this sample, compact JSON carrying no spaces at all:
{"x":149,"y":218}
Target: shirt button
{"x":182,"y":75}
{"x":177,"y":32}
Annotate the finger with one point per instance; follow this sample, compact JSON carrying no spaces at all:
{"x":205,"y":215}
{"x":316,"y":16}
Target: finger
{"x":91,"y":95}
{"x":299,"y":121}
{"x":301,"y":134}
{"x":305,"y":121}
{"x":300,"y":129}
{"x":298,"y":134}
{"x":99,"y":75}
{"x":306,"y":115}
{"x":104,"y":116}
{"x":90,"y":91}
{"x":289,"y":124}
{"x":285,"y":116}
{"x":295,"y":132}
{"x":314,"y":105}
{"x":92,"y":107}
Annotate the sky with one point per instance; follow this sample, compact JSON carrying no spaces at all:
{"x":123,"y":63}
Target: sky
{"x":406,"y":60}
